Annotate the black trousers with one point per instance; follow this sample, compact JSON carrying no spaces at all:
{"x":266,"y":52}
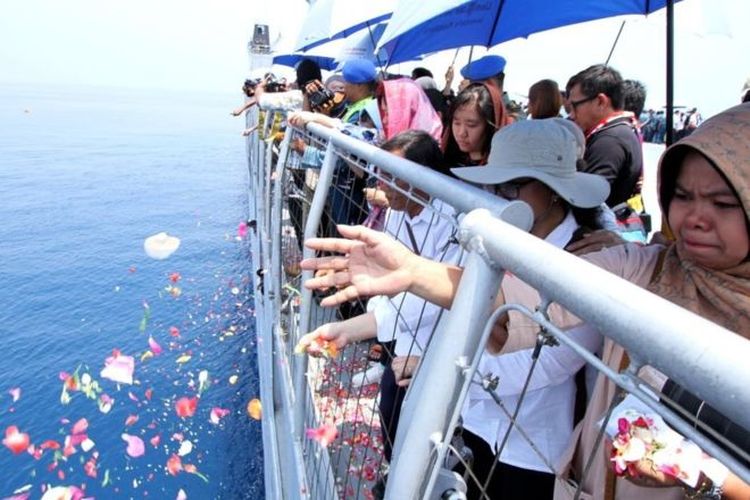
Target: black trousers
{"x":391,"y":399}
{"x":508,"y":482}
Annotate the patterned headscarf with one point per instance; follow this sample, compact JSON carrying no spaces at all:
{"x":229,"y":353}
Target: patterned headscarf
{"x":720,"y":296}
{"x":404,"y":106}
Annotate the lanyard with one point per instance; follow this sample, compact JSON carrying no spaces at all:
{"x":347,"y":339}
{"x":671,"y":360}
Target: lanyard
{"x":609,"y":119}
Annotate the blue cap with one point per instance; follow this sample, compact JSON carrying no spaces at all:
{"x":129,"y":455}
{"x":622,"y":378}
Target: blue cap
{"x":483,"y":68}
{"x":359,"y":71}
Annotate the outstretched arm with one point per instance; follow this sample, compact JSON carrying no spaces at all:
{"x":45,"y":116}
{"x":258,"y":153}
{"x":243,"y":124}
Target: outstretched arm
{"x":374,"y":263}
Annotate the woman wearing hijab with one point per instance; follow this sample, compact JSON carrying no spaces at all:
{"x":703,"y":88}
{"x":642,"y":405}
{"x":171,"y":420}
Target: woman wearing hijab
{"x":704,"y":192}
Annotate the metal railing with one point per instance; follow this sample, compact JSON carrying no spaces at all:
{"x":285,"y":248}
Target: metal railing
{"x":301,"y":394}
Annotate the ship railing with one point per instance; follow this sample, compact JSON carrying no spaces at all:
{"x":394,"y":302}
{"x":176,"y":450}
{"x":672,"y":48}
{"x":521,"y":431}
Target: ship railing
{"x":310,"y":394}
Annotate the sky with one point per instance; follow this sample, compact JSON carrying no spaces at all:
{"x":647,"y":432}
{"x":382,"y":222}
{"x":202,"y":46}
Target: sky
{"x":163,"y":44}
{"x":200,"y":45}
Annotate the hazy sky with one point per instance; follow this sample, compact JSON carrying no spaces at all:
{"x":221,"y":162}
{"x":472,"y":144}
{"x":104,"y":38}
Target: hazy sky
{"x":201,"y":45}
{"x":181,"y":44}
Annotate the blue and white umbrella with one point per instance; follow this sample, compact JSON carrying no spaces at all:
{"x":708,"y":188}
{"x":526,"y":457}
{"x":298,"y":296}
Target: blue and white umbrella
{"x":332,"y":54}
{"x":331,"y":19}
{"x":418,"y":28}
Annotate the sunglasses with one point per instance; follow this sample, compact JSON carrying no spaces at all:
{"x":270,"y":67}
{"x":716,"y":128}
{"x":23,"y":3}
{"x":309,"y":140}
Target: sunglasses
{"x":509,"y":190}
{"x":574,"y":104}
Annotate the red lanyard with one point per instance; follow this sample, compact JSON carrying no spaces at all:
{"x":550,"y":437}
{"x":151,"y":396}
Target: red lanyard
{"x":606,"y":121}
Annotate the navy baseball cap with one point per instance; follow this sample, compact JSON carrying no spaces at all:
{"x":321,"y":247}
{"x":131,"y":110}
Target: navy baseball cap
{"x":484,"y":68}
{"x":359,"y":71}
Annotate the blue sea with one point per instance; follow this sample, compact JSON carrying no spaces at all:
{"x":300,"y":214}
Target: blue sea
{"x":86,"y":174}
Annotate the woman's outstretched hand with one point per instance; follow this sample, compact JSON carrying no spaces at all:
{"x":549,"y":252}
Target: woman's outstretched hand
{"x":372,"y":263}
{"x":326,"y":340}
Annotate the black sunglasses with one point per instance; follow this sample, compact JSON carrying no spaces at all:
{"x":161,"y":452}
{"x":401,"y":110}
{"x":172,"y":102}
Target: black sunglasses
{"x":574,"y":104}
{"x":509,"y":190}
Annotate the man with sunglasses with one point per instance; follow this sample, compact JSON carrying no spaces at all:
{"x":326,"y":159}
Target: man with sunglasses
{"x":613,"y":149}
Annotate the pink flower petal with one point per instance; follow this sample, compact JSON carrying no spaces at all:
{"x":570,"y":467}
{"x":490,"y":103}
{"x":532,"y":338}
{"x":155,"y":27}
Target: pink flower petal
{"x":16,"y":441}
{"x":185,"y":407}
{"x":154,"y":346}
{"x":119,"y":368}
{"x":325,"y":434}
{"x":135,"y":448}
{"x":155,"y":440}
{"x":15,"y":393}
{"x":217,"y":414}
{"x":80,"y":427}
{"x":242,"y":229}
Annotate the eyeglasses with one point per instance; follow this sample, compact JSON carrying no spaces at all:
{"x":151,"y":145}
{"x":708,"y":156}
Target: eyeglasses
{"x":510,"y":190}
{"x":574,"y":104}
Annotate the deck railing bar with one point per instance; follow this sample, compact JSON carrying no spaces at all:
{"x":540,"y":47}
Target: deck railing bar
{"x":462,"y":197}
{"x":648,"y":337}
{"x":426,"y":412}
{"x":631,"y":383}
{"x":311,"y":227}
{"x":272,"y":471}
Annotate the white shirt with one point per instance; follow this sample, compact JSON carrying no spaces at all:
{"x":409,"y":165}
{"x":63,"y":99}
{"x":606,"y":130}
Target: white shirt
{"x":546,"y":414}
{"x":406,"y":318}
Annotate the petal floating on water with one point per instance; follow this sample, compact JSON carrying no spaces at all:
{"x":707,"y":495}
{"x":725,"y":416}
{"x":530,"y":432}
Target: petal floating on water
{"x":255,"y":409}
{"x":155,"y":347}
{"x":80,"y":427}
{"x":242,"y":229}
{"x":135,"y":447}
{"x":183,"y":359}
{"x":185,"y":407}
{"x":161,"y":245}
{"x":185,"y":448}
{"x":217,"y":414}
{"x":16,"y":441}
{"x":119,"y":369}
{"x":15,"y":393}
{"x":174,"y":464}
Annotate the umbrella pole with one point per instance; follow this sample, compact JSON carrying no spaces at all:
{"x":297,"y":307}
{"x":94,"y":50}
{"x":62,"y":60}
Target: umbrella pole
{"x":617,"y":39}
{"x":375,"y":45}
{"x":670,"y":72}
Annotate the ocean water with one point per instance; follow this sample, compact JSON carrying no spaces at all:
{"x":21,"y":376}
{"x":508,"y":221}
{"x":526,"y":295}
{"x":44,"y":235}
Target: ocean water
{"x":86,"y":174}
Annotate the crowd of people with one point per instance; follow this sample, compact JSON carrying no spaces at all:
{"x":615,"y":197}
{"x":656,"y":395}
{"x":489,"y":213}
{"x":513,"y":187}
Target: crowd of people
{"x":574,"y":155}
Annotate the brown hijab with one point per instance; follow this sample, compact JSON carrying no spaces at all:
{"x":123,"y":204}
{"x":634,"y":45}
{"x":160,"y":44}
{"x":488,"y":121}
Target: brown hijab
{"x":720,"y":296}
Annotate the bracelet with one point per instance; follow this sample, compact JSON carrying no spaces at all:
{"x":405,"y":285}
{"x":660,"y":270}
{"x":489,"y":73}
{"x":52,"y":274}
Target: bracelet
{"x":707,"y":489}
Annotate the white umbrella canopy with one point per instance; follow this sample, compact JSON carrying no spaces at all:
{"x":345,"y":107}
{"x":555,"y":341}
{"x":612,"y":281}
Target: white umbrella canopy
{"x":330,"y":19}
{"x":332,"y":54}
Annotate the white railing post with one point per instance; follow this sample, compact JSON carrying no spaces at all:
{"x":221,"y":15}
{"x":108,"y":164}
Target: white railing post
{"x":430,"y":410}
{"x":299,"y":363}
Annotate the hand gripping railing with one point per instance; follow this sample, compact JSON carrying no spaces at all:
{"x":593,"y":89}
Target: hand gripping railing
{"x":712,"y":361}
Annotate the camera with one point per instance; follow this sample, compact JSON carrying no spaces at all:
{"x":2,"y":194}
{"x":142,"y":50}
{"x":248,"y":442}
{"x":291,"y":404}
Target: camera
{"x":275,"y":85}
{"x":320,"y":99}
